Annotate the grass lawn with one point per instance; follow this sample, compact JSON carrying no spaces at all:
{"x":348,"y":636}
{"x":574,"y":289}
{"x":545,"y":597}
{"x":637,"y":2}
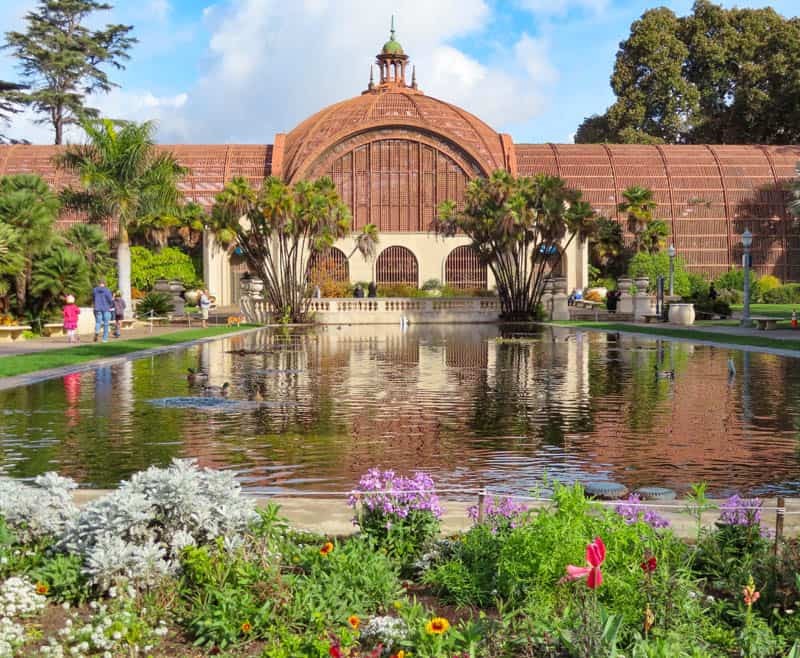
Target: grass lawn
{"x":690,"y":334}
{"x":24,"y":363}
{"x":771,"y":310}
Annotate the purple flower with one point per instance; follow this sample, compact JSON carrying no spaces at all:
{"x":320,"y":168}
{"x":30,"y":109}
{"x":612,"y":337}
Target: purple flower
{"x":499,"y":513}
{"x":741,"y":511}
{"x":396,"y":496}
{"x":632,"y":510}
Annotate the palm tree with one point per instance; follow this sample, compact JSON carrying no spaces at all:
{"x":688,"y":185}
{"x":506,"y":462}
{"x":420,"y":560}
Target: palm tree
{"x":639,"y":206}
{"x":11,"y":261}
{"x":59,"y":273}
{"x":654,"y":237}
{"x":125,"y":178}
{"x":366,"y":242}
{"x":89,"y":241}
{"x":794,"y":204}
{"x":29,"y":206}
{"x":608,"y":245}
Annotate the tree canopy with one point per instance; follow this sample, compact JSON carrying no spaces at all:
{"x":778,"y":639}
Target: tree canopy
{"x":124,"y":178}
{"x":519,"y":227}
{"x":715,"y":76}
{"x":280,"y":227}
{"x":62,"y":60}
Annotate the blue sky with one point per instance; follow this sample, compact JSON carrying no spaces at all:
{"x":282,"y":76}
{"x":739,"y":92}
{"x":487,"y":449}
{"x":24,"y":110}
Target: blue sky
{"x":242,"y":70}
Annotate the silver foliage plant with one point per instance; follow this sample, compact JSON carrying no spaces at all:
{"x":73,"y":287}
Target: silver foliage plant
{"x":136,"y":533}
{"x":40,"y":510}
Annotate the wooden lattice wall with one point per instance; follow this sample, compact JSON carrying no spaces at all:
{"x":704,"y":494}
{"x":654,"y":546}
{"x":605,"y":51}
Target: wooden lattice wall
{"x":397,"y":184}
{"x":463,"y":269}
{"x":397,"y":266}
{"x":331,"y":263}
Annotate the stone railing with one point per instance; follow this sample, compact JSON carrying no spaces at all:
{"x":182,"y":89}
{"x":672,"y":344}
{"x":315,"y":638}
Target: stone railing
{"x":388,"y":310}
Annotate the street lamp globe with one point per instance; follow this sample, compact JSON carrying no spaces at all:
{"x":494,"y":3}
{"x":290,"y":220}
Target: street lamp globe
{"x":671,"y":251}
{"x":747,"y":239}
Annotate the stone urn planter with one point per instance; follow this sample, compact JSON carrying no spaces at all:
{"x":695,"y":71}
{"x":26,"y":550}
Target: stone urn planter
{"x":682,"y":314}
{"x":642,"y":284}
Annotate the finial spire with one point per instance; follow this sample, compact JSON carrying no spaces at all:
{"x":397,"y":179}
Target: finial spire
{"x":414,"y":77}
{"x":391,"y":30}
{"x":371,"y":84}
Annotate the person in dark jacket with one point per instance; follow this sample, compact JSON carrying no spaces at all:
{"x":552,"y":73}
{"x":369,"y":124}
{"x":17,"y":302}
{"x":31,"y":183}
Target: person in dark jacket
{"x":358,"y":292}
{"x":119,"y":312}
{"x":103,"y":304}
{"x":372,"y":289}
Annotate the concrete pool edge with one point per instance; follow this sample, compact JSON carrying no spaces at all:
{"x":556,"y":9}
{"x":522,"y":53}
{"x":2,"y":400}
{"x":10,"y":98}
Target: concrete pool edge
{"x":635,"y":331}
{"x":15,"y":381}
{"x":333,"y":517}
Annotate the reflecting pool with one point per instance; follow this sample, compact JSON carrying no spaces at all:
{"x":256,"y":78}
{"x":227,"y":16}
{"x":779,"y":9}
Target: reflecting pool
{"x":474,"y":405}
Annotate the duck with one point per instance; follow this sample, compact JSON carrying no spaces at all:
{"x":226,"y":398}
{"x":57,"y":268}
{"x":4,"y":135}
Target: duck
{"x":195,"y":377}
{"x":217,"y":391}
{"x":665,"y":374}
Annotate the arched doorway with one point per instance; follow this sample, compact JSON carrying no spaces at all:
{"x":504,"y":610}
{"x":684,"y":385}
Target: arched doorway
{"x":330,"y":264}
{"x":463,"y":269}
{"x":397,"y":266}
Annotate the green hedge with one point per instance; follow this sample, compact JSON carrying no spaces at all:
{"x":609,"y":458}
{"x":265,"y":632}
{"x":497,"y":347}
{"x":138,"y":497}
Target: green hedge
{"x":169,"y":263}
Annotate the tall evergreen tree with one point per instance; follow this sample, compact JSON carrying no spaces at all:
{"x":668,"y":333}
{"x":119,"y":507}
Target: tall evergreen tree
{"x":715,"y":76}
{"x":62,"y":60}
{"x":9,"y":101}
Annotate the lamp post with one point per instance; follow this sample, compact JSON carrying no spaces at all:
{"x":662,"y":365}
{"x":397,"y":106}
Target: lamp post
{"x":747,"y":241}
{"x":671,"y":251}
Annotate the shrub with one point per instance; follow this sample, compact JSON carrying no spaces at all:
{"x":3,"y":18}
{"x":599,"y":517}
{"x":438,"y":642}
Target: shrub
{"x":594,"y":296}
{"x":169,"y":263}
{"x":730,"y":296}
{"x":157,"y":304}
{"x":137,"y":532}
{"x":432,"y":284}
{"x":698,"y":285}
{"x":733,"y":279}
{"x":762,"y":285}
{"x":399,"y":290}
{"x":653,"y":265}
{"x":400,"y":513}
{"x":788,"y":293}
{"x":39,"y":511}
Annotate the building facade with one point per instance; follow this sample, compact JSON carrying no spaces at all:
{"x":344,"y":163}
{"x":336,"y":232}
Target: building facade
{"x":396,"y":153}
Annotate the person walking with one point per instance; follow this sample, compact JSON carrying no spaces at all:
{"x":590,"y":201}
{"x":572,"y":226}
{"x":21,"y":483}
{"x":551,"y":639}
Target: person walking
{"x":712,"y":292}
{"x":205,"y":306}
{"x":103,"y":305}
{"x":358,"y":293}
{"x":372,"y":289}
{"x":119,"y":313}
{"x":71,"y":313}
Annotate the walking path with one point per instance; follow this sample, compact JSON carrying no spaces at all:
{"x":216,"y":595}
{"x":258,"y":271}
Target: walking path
{"x":333,"y":517}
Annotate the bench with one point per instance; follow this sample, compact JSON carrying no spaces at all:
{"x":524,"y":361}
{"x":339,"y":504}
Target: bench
{"x":586,"y":303}
{"x":129,"y":323}
{"x":652,"y":317}
{"x":12,"y":332}
{"x":155,"y":321}
{"x":53,"y":328}
{"x":765,"y":323}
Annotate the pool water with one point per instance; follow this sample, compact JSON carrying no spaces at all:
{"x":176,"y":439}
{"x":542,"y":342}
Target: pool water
{"x":474,"y":405}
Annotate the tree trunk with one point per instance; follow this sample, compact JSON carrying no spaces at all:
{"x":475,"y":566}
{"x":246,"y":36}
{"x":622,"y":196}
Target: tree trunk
{"x":124,"y":270}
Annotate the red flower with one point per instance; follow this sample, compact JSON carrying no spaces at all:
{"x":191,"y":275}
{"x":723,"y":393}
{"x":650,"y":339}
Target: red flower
{"x":595,"y":556}
{"x":335,"y":651}
{"x":649,"y":565}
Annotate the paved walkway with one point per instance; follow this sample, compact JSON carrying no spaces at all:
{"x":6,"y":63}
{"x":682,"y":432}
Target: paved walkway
{"x":141,"y":330}
{"x":332,"y":517}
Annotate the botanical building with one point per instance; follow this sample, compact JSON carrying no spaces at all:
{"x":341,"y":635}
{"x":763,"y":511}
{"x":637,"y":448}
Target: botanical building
{"x":395,"y":153}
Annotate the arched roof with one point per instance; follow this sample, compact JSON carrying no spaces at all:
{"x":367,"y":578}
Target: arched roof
{"x":707,"y":194}
{"x":395,"y":106}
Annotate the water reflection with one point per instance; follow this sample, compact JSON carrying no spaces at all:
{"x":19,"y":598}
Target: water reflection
{"x":313,"y":410}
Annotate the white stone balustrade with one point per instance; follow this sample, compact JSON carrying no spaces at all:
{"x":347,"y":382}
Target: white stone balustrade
{"x":388,"y":310}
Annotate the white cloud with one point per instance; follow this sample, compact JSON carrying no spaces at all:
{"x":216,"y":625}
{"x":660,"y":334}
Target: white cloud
{"x":270,"y":64}
{"x":561,"y":7}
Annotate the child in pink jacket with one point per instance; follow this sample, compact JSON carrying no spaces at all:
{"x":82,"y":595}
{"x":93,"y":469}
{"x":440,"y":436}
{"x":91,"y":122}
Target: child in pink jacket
{"x":71,"y":313}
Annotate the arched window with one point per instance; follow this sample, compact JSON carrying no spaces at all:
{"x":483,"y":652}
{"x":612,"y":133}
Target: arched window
{"x":329,"y":265}
{"x":397,"y":266}
{"x":463,"y":269}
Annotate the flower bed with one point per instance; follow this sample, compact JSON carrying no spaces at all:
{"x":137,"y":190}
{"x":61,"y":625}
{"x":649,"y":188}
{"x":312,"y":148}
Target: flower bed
{"x":178,"y":562}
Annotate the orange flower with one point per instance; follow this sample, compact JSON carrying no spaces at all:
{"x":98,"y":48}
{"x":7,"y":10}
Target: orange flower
{"x":354,"y":621}
{"x":42,"y":588}
{"x":437,"y":626}
{"x":247,"y":627}
{"x":327,"y":547}
{"x":751,"y":594}
{"x":649,"y":619}
{"x":400,"y":654}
